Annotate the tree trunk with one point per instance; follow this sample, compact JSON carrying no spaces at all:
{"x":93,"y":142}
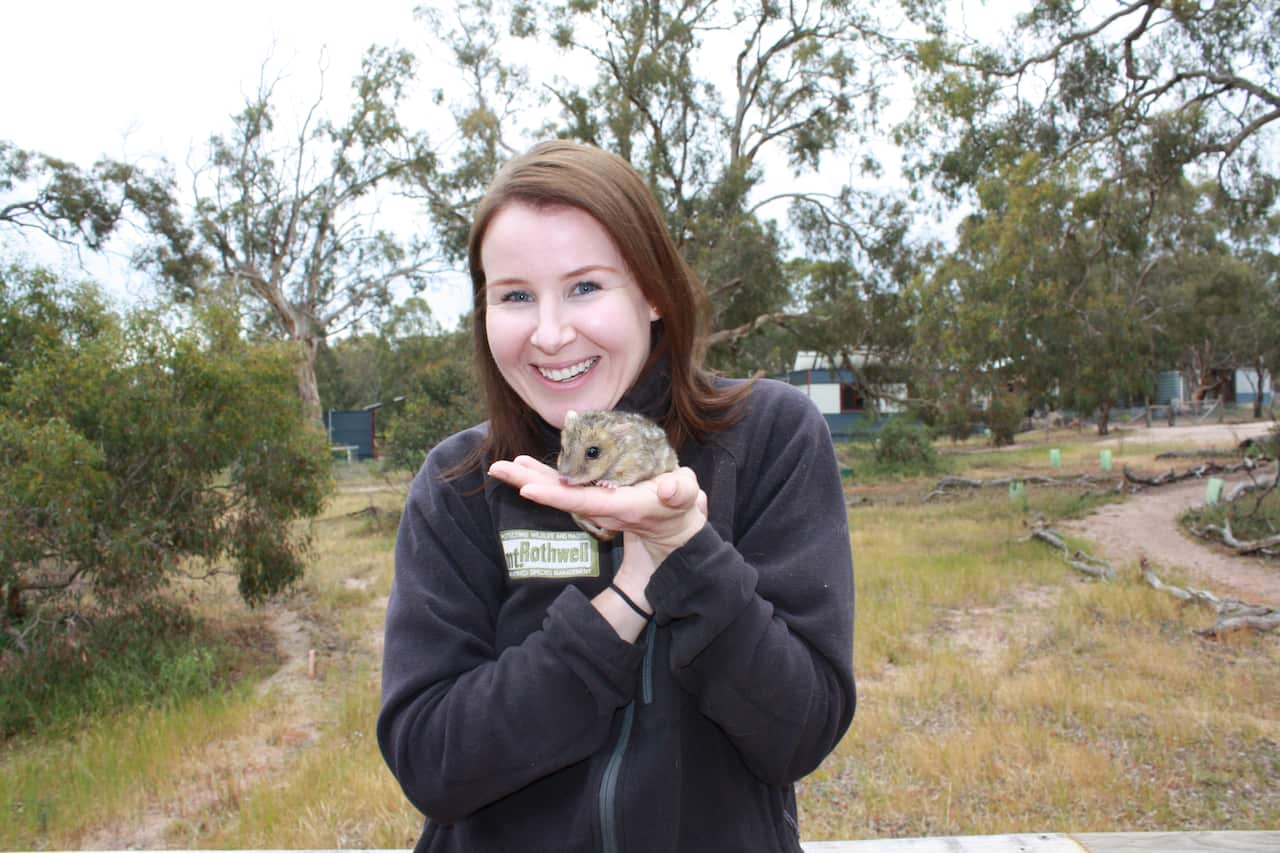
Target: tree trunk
{"x":308,"y":387}
{"x":1104,"y":418}
{"x":14,"y":609}
{"x":1258,"y":369}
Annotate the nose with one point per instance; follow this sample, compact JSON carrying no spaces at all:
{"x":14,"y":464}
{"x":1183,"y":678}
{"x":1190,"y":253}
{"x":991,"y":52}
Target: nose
{"x":554,"y":330}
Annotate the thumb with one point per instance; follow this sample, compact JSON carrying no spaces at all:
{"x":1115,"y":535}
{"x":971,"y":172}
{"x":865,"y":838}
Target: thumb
{"x":679,"y":489}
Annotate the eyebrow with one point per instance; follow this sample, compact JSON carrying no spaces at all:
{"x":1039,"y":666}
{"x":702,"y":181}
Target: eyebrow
{"x":515,"y":281}
{"x":590,"y":268}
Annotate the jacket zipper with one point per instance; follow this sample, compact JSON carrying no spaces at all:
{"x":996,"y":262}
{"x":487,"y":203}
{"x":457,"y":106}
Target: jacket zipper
{"x":646,"y":678}
{"x":613,"y":769}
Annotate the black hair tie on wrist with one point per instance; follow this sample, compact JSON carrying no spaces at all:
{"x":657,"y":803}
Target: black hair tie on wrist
{"x":627,"y":600}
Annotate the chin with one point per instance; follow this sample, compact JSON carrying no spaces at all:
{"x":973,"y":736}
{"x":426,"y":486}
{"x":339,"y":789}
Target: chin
{"x":554,"y":415}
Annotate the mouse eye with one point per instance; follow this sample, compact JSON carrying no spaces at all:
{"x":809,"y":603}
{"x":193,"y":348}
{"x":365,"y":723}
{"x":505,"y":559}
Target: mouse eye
{"x":593,"y":453}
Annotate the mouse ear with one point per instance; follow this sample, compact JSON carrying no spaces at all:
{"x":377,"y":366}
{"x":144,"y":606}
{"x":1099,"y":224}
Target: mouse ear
{"x":569,"y":417}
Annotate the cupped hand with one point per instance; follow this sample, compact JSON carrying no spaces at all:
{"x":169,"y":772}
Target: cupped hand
{"x":664,"y":512}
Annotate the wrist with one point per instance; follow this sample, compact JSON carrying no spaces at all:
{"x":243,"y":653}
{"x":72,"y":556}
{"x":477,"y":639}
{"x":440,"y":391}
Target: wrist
{"x":659,"y":550}
{"x":630,"y":587}
{"x":643,"y":611}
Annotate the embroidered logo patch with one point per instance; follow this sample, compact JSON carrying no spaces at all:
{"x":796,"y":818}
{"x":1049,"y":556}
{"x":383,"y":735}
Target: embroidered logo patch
{"x":550,"y":554}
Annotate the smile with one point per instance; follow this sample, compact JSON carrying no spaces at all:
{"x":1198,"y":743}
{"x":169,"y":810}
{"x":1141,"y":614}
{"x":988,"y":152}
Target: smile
{"x":573,"y":371}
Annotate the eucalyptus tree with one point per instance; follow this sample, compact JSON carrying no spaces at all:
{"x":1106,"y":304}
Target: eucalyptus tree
{"x":1044,"y":295}
{"x":292,"y":219}
{"x":1217,"y":270}
{"x":1258,"y":331}
{"x":706,"y":99}
{"x":85,"y":207}
{"x":1142,"y":87}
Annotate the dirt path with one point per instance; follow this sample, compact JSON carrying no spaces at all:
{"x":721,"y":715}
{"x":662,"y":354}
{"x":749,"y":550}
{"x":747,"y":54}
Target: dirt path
{"x":1146,"y":525}
{"x":217,"y":772}
{"x":1206,"y":435}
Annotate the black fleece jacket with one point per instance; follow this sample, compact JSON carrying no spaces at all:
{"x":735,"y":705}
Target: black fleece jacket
{"x":516,"y":719}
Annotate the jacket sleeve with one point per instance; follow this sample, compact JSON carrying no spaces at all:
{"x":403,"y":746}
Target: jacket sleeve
{"x":461,"y":724}
{"x":762,"y":626}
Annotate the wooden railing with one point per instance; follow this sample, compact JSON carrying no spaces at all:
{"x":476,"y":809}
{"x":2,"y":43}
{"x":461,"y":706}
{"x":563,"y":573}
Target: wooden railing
{"x":1083,"y":842}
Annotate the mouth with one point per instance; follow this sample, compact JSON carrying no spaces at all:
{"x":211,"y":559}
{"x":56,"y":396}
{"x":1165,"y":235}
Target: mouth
{"x":566,"y":374}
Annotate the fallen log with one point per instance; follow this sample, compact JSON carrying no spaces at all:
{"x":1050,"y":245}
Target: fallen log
{"x":947,"y":482}
{"x":1267,"y":546}
{"x":1078,"y":560}
{"x":1201,"y":453}
{"x":1241,"y":489}
{"x":1232,"y":613}
{"x":950,"y":482}
{"x":1192,"y":596}
{"x":1265,"y":623}
{"x":1196,"y":473}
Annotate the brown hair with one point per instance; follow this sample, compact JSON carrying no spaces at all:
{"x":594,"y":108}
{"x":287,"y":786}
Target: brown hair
{"x":563,"y":173}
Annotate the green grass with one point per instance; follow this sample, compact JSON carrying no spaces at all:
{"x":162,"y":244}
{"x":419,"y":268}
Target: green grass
{"x":153,"y":653}
{"x":337,"y":794}
{"x":1253,"y":516}
{"x":55,"y":789}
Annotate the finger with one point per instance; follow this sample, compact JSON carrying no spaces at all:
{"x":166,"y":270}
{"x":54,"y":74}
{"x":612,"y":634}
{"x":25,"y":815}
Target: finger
{"x":521,"y":471}
{"x":678,"y":489}
{"x":583,"y":501}
{"x":534,"y":464}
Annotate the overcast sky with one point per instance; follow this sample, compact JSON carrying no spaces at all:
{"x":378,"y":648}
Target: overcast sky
{"x":138,"y":77}
{"x":143,"y":79}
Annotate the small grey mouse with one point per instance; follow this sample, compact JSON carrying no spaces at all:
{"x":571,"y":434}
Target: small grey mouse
{"x":611,"y":449}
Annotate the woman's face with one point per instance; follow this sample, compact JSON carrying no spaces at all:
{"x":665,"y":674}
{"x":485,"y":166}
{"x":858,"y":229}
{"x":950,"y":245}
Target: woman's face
{"x":567,"y":324}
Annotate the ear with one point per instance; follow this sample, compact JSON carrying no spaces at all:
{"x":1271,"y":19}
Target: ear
{"x":569,"y":417}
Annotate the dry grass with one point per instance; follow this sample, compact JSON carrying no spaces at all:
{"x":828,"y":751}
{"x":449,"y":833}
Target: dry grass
{"x":336,"y":794}
{"x":999,"y":692}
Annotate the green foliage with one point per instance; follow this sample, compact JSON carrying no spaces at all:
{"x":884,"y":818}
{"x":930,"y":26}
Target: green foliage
{"x":380,"y":366}
{"x":1052,"y":290}
{"x":903,"y":446}
{"x":1253,"y":516}
{"x":147,"y":653}
{"x":284,"y":215}
{"x":132,"y":446}
{"x":947,"y":413}
{"x":1266,"y":446}
{"x":1004,"y":416}
{"x":441,"y":399}
{"x":808,"y":84}
{"x":88,"y":206}
{"x":1149,"y":91}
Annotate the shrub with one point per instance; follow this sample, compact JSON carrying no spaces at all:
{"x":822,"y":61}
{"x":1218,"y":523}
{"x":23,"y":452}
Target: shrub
{"x":1268,"y":445}
{"x":905,"y":447}
{"x":132,"y":445}
{"x":1004,"y":417}
{"x":444,"y":401}
{"x":148,"y":653}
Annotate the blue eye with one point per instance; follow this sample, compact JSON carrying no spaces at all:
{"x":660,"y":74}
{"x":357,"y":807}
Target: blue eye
{"x":584,"y":287}
{"x":517,"y":296}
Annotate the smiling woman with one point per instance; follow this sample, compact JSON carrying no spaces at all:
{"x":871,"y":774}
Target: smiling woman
{"x":567,"y":325}
{"x":661,"y":690}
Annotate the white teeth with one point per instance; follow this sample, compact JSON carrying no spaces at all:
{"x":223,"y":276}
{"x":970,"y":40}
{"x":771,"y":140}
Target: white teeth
{"x":564,"y":374}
